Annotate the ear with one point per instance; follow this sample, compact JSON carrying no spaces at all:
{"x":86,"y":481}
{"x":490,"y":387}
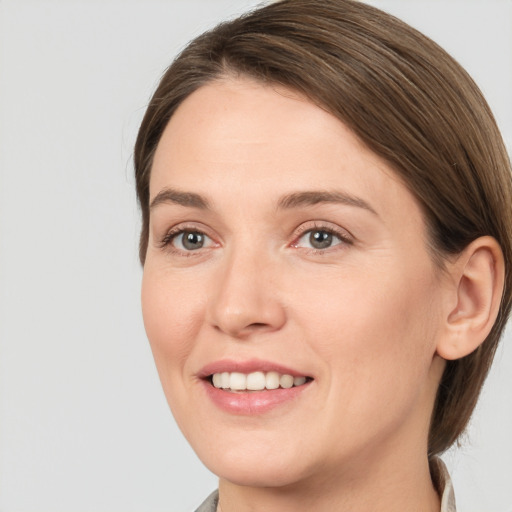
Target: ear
{"x":477,"y":279}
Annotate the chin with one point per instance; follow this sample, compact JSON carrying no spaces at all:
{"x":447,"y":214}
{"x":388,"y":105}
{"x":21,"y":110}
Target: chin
{"x":248,"y":475}
{"x":255,"y":468}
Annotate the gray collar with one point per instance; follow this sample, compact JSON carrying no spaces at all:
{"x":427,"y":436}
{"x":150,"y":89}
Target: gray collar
{"x":210,"y":503}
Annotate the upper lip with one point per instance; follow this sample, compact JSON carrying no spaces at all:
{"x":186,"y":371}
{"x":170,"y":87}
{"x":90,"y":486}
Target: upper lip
{"x":248,"y":366}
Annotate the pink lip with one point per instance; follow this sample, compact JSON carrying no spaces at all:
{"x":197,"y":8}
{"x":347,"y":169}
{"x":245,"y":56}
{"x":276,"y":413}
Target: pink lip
{"x":254,"y":402}
{"x":250,"y":402}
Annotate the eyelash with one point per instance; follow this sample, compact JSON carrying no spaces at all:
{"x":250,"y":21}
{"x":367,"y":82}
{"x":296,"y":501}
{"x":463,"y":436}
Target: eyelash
{"x":167,"y":241}
{"x":344,"y":238}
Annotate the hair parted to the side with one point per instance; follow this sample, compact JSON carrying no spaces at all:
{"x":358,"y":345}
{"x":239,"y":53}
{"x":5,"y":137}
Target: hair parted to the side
{"x":406,"y":99}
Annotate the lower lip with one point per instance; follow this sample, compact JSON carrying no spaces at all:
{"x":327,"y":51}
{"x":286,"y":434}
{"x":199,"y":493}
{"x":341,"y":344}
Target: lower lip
{"x":254,"y":402}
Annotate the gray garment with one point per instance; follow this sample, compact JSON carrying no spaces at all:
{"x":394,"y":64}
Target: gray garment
{"x":210,"y":503}
{"x":439,"y":473}
{"x":441,"y":476}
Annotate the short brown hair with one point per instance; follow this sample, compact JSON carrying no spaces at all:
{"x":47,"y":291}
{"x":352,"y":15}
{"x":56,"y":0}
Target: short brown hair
{"x":406,"y":99}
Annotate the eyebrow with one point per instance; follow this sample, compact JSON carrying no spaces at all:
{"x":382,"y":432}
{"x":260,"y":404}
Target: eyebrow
{"x":188,"y":199}
{"x":289,"y":201}
{"x":310,"y":198}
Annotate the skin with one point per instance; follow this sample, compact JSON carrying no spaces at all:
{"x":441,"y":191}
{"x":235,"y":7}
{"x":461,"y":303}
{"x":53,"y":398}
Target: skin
{"x":363,"y":317}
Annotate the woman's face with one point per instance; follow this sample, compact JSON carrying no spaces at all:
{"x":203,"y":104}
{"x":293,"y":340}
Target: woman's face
{"x":281,"y":248}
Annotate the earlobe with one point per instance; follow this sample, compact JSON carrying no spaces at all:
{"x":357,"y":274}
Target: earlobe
{"x":478,"y":276}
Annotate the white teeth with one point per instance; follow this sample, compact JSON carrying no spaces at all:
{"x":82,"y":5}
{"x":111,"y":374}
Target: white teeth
{"x":237,"y":381}
{"x":255,"y":381}
{"x":224,"y":380}
{"x":217,"y":380}
{"x":286,"y":381}
{"x":272,"y":380}
{"x":298,"y":381}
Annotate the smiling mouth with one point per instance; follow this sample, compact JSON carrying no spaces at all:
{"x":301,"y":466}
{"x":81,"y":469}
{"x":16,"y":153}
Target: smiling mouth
{"x":237,"y":382}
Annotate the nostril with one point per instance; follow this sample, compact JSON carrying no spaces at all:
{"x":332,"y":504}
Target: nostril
{"x":257,"y":325}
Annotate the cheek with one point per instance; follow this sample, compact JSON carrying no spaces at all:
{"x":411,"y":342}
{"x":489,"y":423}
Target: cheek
{"x":378,"y":336}
{"x":171,"y":314}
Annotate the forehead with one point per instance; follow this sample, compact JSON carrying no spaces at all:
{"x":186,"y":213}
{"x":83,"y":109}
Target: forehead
{"x":237,"y":138}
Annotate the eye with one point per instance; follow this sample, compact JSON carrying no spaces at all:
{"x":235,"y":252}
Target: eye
{"x":320,"y":239}
{"x":188,"y":240}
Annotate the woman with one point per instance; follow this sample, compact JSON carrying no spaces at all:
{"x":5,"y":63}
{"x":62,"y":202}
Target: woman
{"x":326,"y":238}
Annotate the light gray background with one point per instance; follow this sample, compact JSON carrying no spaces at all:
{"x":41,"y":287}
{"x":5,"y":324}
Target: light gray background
{"x":83,"y":422}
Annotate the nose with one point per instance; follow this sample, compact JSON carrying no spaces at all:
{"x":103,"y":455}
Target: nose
{"x":245,"y":299}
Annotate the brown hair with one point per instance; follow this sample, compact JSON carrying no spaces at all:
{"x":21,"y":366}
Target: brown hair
{"x":406,"y":99}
